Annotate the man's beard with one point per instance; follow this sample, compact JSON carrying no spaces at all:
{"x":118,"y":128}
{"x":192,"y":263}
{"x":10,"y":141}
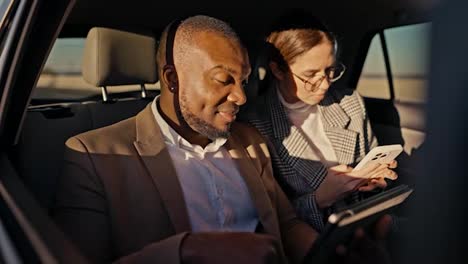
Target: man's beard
{"x":199,"y":125}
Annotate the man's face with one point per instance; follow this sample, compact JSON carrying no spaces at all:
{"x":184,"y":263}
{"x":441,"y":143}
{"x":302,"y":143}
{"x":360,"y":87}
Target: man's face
{"x":211,"y":84}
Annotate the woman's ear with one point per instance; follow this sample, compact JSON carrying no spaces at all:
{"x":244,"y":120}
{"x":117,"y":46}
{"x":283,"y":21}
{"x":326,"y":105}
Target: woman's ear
{"x":170,"y":78}
{"x":275,"y":69}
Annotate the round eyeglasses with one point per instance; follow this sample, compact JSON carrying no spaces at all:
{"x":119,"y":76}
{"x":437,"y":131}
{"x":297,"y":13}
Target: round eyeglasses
{"x":332,"y":74}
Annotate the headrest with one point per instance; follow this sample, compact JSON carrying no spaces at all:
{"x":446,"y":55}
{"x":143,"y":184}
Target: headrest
{"x":115,"y":57}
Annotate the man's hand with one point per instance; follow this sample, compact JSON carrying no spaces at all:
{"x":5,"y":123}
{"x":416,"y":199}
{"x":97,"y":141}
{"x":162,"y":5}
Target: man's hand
{"x":229,"y":247}
{"x":367,"y":248}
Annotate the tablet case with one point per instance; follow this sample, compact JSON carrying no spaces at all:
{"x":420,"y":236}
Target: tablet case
{"x":342,"y":225}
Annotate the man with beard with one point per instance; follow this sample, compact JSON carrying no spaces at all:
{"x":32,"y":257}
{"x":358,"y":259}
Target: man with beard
{"x":181,"y":182}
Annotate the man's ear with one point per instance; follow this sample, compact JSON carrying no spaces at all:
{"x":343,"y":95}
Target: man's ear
{"x":275,"y":69}
{"x":170,"y":78}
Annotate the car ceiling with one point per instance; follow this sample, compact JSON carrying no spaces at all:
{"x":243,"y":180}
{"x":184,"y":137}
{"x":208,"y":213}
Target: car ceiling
{"x":249,"y":20}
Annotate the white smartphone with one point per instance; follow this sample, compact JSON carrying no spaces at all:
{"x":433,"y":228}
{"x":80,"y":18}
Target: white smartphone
{"x":380,"y":154}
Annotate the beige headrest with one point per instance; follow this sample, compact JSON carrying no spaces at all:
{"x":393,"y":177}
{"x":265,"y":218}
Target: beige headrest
{"x":115,"y":57}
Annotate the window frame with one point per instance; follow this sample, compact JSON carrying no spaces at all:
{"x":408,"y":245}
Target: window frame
{"x":19,"y":23}
{"x":388,"y":67}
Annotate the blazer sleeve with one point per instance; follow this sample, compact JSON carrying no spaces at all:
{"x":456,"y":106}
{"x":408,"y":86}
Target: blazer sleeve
{"x":297,"y":236}
{"x":307,"y":209}
{"x":81,"y":212}
{"x":305,"y":205}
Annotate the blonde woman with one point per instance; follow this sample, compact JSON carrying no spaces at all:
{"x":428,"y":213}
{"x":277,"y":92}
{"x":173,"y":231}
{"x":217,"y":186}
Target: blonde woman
{"x":315,"y":133}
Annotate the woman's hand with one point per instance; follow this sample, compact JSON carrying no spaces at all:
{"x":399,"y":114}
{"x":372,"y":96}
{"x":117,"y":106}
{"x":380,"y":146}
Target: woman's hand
{"x":336,"y":185}
{"x":378,"y":181}
{"x":341,"y":180}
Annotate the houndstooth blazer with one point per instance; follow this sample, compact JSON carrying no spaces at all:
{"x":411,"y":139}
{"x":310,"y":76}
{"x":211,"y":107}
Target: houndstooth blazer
{"x":346,"y":125}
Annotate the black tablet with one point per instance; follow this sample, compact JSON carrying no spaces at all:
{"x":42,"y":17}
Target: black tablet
{"x":341,"y":225}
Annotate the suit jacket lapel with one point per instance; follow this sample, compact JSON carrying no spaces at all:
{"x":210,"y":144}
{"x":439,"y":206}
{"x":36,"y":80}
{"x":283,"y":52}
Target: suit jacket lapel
{"x":335,"y":121}
{"x":254,"y":183}
{"x":154,"y":154}
{"x":289,"y":141}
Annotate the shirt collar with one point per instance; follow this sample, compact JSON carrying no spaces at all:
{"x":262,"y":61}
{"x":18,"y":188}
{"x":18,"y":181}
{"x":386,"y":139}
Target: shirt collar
{"x":173,"y":138}
{"x":298,"y":106}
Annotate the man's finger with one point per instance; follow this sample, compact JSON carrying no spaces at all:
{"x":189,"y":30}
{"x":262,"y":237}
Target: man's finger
{"x":359,"y":233}
{"x":341,"y":250}
{"x":382,"y":227}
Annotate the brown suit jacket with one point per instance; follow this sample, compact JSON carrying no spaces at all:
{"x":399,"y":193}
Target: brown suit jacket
{"x":119,"y":197}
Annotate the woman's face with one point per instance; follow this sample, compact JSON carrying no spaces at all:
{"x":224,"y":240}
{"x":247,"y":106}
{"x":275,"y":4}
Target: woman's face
{"x":309,"y":68}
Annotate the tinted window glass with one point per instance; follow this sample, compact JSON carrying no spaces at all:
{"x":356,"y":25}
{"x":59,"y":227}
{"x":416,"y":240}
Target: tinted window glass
{"x":4,"y":6}
{"x":61,"y":77}
{"x":408,"y":49}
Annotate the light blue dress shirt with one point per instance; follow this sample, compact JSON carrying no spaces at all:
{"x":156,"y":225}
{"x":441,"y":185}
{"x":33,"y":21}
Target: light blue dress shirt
{"x":215,"y":193}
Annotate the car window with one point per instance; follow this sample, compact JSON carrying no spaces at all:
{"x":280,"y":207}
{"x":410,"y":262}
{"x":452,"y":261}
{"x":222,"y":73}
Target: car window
{"x":61,"y":77}
{"x":5,"y":5}
{"x":7,"y":248}
{"x":5,"y":10}
{"x":408,"y":53}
